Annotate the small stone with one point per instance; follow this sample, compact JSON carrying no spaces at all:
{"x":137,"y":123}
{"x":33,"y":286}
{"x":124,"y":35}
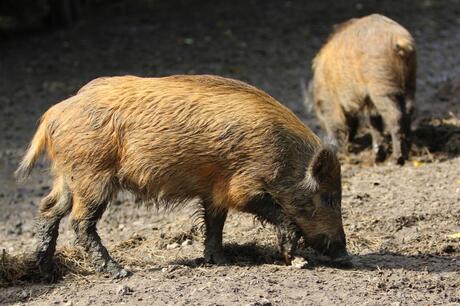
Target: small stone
{"x":299,"y":263}
{"x":24,"y":294}
{"x":172,"y":246}
{"x":262,"y":302}
{"x":124,"y":290}
{"x":187,"y":242}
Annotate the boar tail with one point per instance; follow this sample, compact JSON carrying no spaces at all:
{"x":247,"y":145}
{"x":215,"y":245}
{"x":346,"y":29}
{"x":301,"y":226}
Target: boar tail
{"x":36,"y":147}
{"x":307,"y":95}
{"x":404,"y":47}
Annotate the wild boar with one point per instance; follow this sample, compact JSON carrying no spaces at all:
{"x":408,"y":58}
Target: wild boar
{"x":175,"y":138}
{"x":367,"y":69}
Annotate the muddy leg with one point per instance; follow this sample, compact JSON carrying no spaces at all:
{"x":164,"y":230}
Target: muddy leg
{"x":287,"y":232}
{"x":84,"y":218}
{"x":214,"y":222}
{"x":53,"y":208}
{"x":288,"y":239}
{"x":47,"y":233}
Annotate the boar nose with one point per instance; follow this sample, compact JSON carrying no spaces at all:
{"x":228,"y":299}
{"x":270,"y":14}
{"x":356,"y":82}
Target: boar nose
{"x":339,"y":255}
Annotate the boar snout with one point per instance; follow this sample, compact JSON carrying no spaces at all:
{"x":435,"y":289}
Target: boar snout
{"x":335,"y":250}
{"x":338,"y":254}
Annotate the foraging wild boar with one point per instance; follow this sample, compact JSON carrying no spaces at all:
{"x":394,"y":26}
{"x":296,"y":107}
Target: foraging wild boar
{"x":175,"y":138}
{"x":367,"y":70}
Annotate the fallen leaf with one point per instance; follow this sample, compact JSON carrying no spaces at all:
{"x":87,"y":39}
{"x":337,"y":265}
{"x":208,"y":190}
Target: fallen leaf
{"x":454,"y":236}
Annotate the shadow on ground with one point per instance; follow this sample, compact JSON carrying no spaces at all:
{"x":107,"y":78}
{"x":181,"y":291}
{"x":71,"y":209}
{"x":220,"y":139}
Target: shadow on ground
{"x":252,"y":254}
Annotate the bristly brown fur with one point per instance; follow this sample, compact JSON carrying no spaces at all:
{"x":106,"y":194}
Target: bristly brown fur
{"x":169,"y":140}
{"x":144,"y":135}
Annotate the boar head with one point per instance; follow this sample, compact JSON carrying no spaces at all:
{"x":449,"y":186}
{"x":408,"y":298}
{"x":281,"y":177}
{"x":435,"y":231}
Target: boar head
{"x":317,"y":203}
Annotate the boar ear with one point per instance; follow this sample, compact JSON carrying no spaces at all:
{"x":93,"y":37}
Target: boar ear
{"x":325,"y":166}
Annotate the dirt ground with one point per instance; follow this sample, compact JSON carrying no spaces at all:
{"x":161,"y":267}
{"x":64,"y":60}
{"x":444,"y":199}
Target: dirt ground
{"x":397,"y":219}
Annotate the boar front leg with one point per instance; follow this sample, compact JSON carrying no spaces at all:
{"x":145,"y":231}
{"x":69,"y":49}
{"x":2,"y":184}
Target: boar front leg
{"x":214,"y":221}
{"x":288,"y":240}
{"x":266,"y":209}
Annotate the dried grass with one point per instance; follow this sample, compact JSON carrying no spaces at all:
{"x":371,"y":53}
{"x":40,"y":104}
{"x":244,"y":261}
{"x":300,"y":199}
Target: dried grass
{"x":21,"y":267}
{"x":137,"y":252}
{"x":16,"y":268}
{"x":357,"y":243}
{"x":13,"y":268}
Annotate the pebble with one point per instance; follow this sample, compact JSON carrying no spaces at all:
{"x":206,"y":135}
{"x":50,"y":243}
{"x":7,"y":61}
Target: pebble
{"x":24,"y":294}
{"x":262,"y":302}
{"x":124,"y":290}
{"x":187,"y":242}
{"x":299,"y":263}
{"x":172,"y":246}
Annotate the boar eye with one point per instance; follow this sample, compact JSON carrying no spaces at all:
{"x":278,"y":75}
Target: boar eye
{"x":330,"y":200}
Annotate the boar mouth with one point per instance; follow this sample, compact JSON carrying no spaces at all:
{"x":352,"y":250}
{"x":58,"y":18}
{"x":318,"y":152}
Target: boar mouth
{"x":335,"y":251}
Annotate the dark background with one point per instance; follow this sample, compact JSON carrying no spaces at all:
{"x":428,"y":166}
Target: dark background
{"x":269,"y":44}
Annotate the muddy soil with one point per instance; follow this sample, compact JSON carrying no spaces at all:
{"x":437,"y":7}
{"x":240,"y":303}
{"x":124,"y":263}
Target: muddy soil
{"x":397,"y":219}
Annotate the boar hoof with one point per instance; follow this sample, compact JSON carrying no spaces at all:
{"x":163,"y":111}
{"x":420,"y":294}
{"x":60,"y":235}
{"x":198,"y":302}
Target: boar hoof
{"x":46,"y":268}
{"x":217,"y":258}
{"x":47,"y":272}
{"x":121,"y":273}
{"x":400,"y":160}
{"x":287,"y":258}
{"x":380,"y":154}
{"x":115,"y":270}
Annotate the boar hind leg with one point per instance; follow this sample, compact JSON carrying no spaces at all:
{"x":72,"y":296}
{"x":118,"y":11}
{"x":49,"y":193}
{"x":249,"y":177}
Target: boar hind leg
{"x":214,"y":222}
{"x":85,"y":215}
{"x":53,"y":208}
{"x":389,"y":108}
